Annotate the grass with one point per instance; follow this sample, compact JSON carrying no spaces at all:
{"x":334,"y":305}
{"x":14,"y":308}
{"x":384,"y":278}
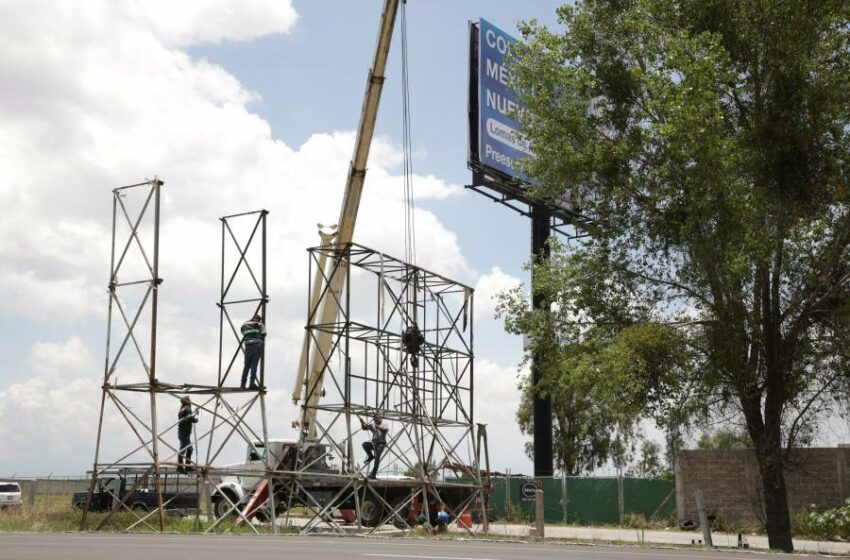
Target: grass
{"x":53,"y":514}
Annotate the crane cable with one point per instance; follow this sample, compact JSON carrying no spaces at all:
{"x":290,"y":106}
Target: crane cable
{"x":407,"y":148}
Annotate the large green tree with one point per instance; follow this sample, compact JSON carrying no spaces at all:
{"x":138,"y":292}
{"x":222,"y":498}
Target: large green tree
{"x":709,"y":142}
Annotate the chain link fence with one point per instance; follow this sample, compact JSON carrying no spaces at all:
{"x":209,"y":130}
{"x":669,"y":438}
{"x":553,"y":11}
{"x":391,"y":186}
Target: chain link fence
{"x":583,"y":500}
{"x":52,"y":489}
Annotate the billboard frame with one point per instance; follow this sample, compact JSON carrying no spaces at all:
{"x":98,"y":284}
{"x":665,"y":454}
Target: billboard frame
{"x":492,"y":183}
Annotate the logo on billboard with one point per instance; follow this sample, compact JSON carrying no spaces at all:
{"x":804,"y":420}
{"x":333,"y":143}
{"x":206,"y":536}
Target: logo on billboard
{"x":501,"y":143}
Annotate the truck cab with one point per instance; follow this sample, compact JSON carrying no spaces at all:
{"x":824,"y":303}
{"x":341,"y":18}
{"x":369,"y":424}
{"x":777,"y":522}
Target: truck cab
{"x":236,"y":489}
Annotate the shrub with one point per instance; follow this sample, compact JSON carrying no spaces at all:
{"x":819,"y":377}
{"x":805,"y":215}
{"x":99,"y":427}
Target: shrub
{"x":829,"y":524}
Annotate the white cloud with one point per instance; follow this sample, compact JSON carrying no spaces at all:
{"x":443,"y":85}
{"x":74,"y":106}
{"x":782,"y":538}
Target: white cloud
{"x":47,"y":421}
{"x":196,"y":21}
{"x":58,"y":358}
{"x":497,"y":399}
{"x":99,"y":94}
{"x":40,"y":297}
{"x":488,"y":287}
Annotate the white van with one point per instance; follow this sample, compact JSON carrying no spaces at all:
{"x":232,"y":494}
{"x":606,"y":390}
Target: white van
{"x":10,"y":494}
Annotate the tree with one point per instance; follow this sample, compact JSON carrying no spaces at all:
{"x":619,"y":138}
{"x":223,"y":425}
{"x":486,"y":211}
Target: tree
{"x":587,"y":369}
{"x":725,"y":439}
{"x":709,"y":142}
{"x":588,"y":431}
{"x":650,"y":464}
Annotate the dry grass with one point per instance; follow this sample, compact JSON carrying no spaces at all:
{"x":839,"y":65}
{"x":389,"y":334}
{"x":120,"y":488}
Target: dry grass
{"x":53,"y":513}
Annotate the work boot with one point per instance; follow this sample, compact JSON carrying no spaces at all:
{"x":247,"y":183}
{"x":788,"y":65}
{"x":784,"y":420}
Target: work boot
{"x":368,"y":459}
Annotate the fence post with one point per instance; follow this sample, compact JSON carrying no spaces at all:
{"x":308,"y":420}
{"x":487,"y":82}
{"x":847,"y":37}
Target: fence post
{"x":539,"y":513}
{"x":621,"y":501}
{"x":31,"y":496}
{"x":564,"y":495}
{"x":703,"y":519}
{"x":508,"y":513}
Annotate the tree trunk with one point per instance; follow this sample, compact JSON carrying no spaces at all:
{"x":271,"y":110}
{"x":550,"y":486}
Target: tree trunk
{"x":769,"y":452}
{"x":775,"y":499}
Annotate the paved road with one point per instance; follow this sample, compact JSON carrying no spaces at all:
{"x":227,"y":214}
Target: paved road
{"x":220,"y":547}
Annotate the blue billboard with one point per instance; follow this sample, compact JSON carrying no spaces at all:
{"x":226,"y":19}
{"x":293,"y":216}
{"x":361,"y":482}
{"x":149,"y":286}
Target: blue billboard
{"x":501,"y":143}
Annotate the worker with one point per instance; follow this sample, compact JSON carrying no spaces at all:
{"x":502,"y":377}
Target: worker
{"x":442,"y":520}
{"x":253,"y":338}
{"x":185,"y":419}
{"x":375,"y":448}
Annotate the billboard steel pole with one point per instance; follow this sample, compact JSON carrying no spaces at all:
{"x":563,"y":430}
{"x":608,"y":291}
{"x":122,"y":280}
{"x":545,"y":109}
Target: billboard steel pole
{"x":543,"y":462}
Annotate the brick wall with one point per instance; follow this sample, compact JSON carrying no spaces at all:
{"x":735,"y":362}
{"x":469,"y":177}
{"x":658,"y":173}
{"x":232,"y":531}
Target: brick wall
{"x":729,"y":481}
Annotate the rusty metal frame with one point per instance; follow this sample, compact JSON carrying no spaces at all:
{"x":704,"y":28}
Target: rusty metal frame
{"x":430,"y":405}
{"x":141,"y":249}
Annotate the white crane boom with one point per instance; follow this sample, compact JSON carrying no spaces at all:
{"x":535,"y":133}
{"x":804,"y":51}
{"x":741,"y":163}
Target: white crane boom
{"x":310,"y":386}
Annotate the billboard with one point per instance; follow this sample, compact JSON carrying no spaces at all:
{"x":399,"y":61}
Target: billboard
{"x":500,"y":142}
{"x":496,"y":141}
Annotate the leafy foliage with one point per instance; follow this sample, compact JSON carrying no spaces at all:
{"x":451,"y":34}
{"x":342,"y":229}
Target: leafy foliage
{"x":829,"y":524}
{"x":601,"y":379}
{"x":650,"y":463}
{"x":725,"y":439}
{"x":709,"y":142}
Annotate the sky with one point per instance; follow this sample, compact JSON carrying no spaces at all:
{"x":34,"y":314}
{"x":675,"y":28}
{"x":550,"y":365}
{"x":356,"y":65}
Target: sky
{"x":236,"y":105}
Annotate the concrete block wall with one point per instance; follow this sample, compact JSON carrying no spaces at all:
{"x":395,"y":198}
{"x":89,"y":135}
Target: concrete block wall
{"x":731,"y":487}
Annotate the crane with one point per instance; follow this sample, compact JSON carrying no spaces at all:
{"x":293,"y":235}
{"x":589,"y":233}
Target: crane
{"x":309,"y":387}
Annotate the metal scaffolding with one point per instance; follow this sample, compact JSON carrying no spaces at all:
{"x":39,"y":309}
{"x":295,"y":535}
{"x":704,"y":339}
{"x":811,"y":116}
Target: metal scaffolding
{"x":402,"y":347}
{"x":231,"y":411}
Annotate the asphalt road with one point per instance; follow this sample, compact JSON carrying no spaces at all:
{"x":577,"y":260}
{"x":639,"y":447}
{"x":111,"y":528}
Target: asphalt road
{"x":221,"y":547}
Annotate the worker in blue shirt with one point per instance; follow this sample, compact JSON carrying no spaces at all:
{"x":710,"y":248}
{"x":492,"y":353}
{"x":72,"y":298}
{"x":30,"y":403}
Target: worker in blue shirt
{"x":253,"y":337}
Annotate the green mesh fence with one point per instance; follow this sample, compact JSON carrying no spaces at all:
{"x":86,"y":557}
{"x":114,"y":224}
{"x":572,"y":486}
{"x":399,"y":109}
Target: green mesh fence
{"x":583,"y":500}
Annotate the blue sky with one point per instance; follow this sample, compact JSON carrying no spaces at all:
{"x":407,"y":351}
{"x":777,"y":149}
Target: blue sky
{"x":327,"y":57}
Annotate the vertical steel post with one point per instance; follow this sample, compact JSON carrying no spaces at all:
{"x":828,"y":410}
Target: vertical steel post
{"x":543,"y":460}
{"x":155,"y":281}
{"x":221,"y":306}
{"x":265,"y":298}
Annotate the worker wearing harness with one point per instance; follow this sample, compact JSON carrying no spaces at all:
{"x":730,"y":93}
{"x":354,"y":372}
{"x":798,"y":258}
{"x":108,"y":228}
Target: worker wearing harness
{"x":185,"y":419}
{"x":375,"y":448}
{"x":253,"y":337}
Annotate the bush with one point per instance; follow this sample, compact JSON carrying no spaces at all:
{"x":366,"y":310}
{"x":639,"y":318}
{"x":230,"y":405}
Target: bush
{"x":636,"y":521}
{"x":830,"y":524}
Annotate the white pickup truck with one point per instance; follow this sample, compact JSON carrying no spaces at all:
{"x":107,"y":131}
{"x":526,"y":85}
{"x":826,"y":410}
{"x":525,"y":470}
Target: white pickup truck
{"x":10,"y":495}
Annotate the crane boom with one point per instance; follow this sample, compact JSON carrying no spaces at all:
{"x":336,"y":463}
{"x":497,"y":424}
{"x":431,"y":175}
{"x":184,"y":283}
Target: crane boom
{"x":310,"y":386}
